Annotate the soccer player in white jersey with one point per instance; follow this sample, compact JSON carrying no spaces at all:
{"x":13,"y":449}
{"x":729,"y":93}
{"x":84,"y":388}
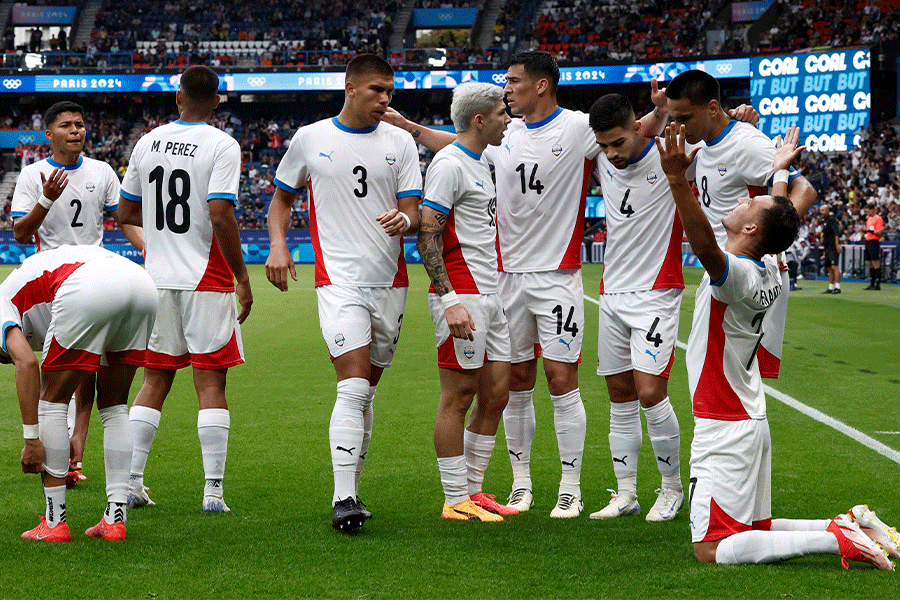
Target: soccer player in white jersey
{"x":79,"y":305}
{"x":640,"y":297}
{"x":182,"y":183}
{"x":730,"y":493}
{"x":457,"y":242}
{"x":63,"y":199}
{"x":365,"y":185}
{"x":735,"y":160}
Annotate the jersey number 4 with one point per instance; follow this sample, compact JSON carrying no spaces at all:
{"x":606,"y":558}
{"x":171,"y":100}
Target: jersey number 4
{"x":179,"y":191}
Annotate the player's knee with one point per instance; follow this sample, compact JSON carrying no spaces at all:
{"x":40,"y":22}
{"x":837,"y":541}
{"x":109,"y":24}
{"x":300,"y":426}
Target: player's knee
{"x":705,"y":552}
{"x":523,"y":376}
{"x":562,"y":378}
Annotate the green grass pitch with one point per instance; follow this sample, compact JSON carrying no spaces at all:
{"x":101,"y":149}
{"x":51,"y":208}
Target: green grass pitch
{"x":842,"y":355}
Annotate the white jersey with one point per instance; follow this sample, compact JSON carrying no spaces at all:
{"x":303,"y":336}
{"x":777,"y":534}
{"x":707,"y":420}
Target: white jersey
{"x":723,"y":372}
{"x":175,"y":170}
{"x":353,"y":176}
{"x":458,"y":184}
{"x":740,"y":161}
{"x":542,"y":171}
{"x":76,"y":217}
{"x":27,"y":293}
{"x":643,"y":242}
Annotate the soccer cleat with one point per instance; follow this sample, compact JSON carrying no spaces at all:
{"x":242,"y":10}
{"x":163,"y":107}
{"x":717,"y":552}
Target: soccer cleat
{"x":214,"y":504}
{"x":520,"y":499}
{"x":855,"y":545}
{"x":667,"y":504}
{"x":828,"y":292}
{"x":880,"y":533}
{"x":567,"y":507}
{"x":347,"y":515}
{"x":620,"y":505}
{"x":468,"y":511}
{"x":139,"y":496}
{"x":114,"y":532}
{"x":74,"y":476}
{"x":42,"y":533}
{"x":488,"y":503}
{"x":362,"y":506}
{"x":836,"y":291}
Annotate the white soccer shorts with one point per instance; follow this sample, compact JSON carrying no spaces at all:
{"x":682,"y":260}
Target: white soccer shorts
{"x":491,"y":333}
{"x":103,"y":311}
{"x":195,"y":328}
{"x":731,"y":478}
{"x":546,"y":314}
{"x":352,"y":317}
{"x":638,"y":330}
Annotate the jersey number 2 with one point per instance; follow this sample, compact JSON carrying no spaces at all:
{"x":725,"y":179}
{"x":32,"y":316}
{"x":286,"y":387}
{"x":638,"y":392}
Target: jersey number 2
{"x":179,"y":188}
{"x":77,"y":204}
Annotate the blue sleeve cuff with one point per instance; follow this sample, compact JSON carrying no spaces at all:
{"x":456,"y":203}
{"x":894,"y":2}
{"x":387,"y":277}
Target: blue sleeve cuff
{"x":221,"y":196}
{"x":6,"y":327}
{"x":434,"y":205}
{"x":128,"y":196}
{"x":724,"y":276}
{"x":792,"y":175}
{"x":408,"y":193}
{"x":285,"y":187}
{"x":112,"y":208}
{"x":17,"y":214}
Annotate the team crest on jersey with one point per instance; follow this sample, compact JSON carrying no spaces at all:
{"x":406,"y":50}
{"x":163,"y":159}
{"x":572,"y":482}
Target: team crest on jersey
{"x":722,"y":169}
{"x":339,"y":339}
{"x":469,"y":351}
{"x":89,"y":186}
{"x":556,"y":149}
{"x":652,"y":177}
{"x":390,"y":158}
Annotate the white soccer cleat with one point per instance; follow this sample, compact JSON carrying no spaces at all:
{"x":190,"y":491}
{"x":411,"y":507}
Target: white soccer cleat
{"x":214,"y":504}
{"x":620,"y":505}
{"x":567,"y":506}
{"x":855,"y":545}
{"x":667,"y":504}
{"x":880,"y":533}
{"x":139,"y":496}
{"x":521,"y":499}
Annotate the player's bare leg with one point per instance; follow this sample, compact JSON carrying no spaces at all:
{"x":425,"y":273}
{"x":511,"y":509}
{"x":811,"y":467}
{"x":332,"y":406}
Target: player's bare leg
{"x":570,"y":422}
{"x":144,"y":416}
{"x":519,"y":425}
{"x":83,"y":401}
{"x":213,"y":423}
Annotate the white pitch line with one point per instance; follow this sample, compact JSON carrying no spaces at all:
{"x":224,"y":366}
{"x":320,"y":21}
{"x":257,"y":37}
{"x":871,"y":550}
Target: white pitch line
{"x":821,"y":417}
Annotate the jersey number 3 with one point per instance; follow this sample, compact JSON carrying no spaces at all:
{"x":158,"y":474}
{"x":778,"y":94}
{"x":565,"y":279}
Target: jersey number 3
{"x":179,"y":191}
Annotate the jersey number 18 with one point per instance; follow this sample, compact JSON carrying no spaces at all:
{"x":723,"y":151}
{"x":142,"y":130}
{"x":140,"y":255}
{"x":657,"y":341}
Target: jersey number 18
{"x":179,"y":191}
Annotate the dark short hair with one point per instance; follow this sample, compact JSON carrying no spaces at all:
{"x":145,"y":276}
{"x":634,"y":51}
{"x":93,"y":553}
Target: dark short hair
{"x":368,"y":64}
{"x":61,"y":107}
{"x":610,"y":111}
{"x":200,"y":83}
{"x":779,"y":225}
{"x":698,"y":87}
{"x":538,"y":64}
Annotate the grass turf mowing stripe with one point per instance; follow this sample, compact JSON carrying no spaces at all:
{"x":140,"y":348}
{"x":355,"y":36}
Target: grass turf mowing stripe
{"x":816,"y":414}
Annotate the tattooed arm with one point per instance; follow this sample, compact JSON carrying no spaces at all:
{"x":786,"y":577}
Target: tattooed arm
{"x":431,"y":249}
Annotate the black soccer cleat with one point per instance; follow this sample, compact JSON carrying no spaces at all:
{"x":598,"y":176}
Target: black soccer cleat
{"x":347,"y":515}
{"x":367,"y":514}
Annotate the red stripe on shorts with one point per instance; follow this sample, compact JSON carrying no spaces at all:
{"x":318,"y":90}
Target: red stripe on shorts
{"x":63,"y":359}
{"x":227,"y":356}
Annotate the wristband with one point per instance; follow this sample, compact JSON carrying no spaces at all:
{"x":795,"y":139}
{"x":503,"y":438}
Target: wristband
{"x":449,"y":299}
{"x":408,"y":221}
{"x":31,"y":432}
{"x":46,"y":202}
{"x":781,"y":176}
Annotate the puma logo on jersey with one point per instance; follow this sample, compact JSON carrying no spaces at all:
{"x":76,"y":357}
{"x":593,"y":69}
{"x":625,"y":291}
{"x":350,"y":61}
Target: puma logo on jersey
{"x":328,"y":156}
{"x":651,"y":354}
{"x":508,"y":149}
{"x":350,"y":451}
{"x":479,"y":184}
{"x":620,"y":460}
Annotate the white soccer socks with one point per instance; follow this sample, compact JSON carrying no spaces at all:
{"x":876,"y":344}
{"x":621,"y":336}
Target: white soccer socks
{"x":478,"y":449}
{"x":625,"y":437}
{"x":773,"y":546}
{"x":454,"y":479}
{"x":570,"y":420}
{"x":346,"y":434}
{"x":519,"y":425}
{"x":144,"y":423}
{"x":213,"y":425}
{"x":117,"y":446}
{"x":662,"y":427}
{"x":368,"y":421}
{"x":55,"y":438}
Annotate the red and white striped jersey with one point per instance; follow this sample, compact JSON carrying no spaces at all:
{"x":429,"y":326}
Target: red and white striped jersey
{"x":458,"y":184}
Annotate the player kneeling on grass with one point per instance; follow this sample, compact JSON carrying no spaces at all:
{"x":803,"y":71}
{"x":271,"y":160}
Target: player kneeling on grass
{"x":457,"y":244}
{"x":730,"y":493}
{"x":90,"y":311}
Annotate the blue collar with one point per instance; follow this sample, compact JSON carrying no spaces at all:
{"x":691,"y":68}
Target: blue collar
{"x":758,"y":263}
{"x":644,"y":152}
{"x":343,"y":127}
{"x":57,"y":165}
{"x":543,"y":122}
{"x":468,"y":152}
{"x":725,"y":131}
{"x":180,"y":122}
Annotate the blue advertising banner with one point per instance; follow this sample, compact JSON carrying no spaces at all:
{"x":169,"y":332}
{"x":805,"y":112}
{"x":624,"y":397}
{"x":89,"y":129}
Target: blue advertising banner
{"x":827,"y":94}
{"x":22,"y":14}
{"x":444,"y":17}
{"x":10,"y":138}
{"x":743,"y":12}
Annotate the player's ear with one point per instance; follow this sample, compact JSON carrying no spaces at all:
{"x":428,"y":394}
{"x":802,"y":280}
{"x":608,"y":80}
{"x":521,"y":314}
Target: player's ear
{"x":637,"y":126}
{"x":714,"y":107}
